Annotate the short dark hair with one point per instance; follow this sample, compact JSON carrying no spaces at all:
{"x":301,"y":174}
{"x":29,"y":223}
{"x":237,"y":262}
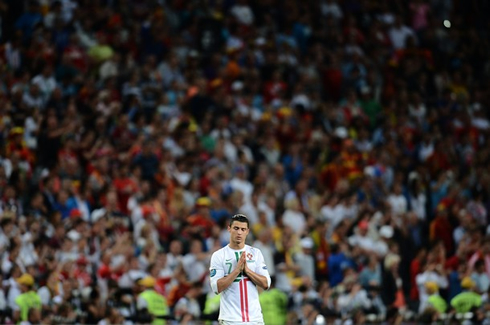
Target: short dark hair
{"x":240,"y":218}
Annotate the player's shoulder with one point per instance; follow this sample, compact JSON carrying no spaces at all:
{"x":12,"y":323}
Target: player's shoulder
{"x":220,"y":252}
{"x":252,"y":249}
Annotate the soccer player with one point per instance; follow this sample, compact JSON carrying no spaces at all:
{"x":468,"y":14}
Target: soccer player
{"x":236,"y":271}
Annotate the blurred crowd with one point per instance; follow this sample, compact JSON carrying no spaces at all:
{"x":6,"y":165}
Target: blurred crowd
{"x":354,"y":134}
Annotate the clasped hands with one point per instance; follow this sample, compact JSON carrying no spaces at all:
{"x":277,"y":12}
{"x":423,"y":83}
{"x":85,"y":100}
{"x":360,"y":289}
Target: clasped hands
{"x":242,"y":263}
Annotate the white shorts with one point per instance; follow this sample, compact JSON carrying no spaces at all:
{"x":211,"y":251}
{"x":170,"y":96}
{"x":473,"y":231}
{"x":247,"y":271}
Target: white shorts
{"x":224,"y":322}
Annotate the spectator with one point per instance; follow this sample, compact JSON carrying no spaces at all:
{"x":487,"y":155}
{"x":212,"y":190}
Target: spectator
{"x":371,"y":274}
{"x":305,"y":259}
{"x":399,"y":33}
{"x":467,"y":300}
{"x":187,"y":310}
{"x":195,"y":262}
{"x":27,"y":300}
{"x":274,"y":304}
{"x":441,"y":229}
{"x":151,"y":301}
{"x":434,"y":300}
{"x":335,"y":261}
{"x":293,"y":217}
{"x":480,"y":277}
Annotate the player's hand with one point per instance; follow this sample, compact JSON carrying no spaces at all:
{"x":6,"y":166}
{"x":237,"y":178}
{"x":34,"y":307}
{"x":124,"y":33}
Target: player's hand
{"x":245,"y":268}
{"x":241,"y":262}
{"x":245,"y":265}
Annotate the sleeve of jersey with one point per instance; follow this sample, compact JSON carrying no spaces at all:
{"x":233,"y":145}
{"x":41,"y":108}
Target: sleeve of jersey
{"x":216,"y":271}
{"x":262,"y":268}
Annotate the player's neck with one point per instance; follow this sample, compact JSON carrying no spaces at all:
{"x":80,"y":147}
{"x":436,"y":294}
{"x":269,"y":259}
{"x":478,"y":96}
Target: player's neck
{"x":236,"y":246}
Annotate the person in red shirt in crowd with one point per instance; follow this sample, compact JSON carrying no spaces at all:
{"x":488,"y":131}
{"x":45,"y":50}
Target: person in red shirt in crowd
{"x":321,"y":248}
{"x":439,"y":160}
{"x":332,"y":172}
{"x":125,"y":186}
{"x":104,"y":270}
{"x":460,"y":257}
{"x":483,"y":253}
{"x":162,"y":273}
{"x":351,"y":160}
{"x":76,"y":54}
{"x":123,"y":135}
{"x":16,"y":145}
{"x":274,"y":88}
{"x":416,"y":267}
{"x":332,"y":78}
{"x":200,"y":221}
{"x":81,"y":272}
{"x":179,"y":290}
{"x":441,"y":229}
{"x":352,"y":31}
{"x":160,"y":207}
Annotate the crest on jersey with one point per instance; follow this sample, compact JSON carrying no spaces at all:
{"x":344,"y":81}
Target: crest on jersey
{"x":212,"y":272}
{"x":249,"y":256}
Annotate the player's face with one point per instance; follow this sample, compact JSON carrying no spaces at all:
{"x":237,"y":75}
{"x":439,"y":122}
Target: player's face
{"x":238,"y":232}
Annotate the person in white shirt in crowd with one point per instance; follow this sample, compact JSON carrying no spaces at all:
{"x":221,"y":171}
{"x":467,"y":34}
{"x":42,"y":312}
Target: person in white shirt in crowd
{"x":480,"y":277}
{"x":426,"y":147}
{"x":46,"y":83}
{"x":163,"y":271}
{"x":300,"y":192}
{"x":353,"y":296}
{"x":417,"y":108}
{"x":293,"y":217}
{"x":265,"y":244}
{"x":145,"y":230}
{"x":221,"y":130}
{"x":331,"y":8}
{"x":33,"y":98}
{"x":370,"y":240}
{"x":237,"y":151}
{"x":306,"y":259}
{"x":433,"y":272}
{"x":417,"y":196}
{"x":49,"y":291}
{"x":240,"y":183}
{"x":479,"y":119}
{"x":134,"y":200}
{"x":174,"y":255}
{"x":399,"y":33}
{"x":333,"y":211}
{"x":13,"y":286}
{"x":476,"y":209}
{"x":251,"y":208}
{"x":243,"y":13}
{"x":195,"y":262}
{"x":132,"y":272}
{"x":270,"y":151}
{"x":187,"y":309}
{"x":397,"y":201}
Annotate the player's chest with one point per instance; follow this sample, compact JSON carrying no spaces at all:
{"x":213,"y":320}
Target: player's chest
{"x":231,"y":260}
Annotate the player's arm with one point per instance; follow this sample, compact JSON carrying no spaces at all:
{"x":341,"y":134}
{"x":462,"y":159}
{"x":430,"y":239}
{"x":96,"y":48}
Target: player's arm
{"x":220,"y":282}
{"x":260,"y":276}
{"x":226,"y":281}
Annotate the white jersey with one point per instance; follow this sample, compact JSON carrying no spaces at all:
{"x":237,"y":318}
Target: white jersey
{"x":240,"y":301}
